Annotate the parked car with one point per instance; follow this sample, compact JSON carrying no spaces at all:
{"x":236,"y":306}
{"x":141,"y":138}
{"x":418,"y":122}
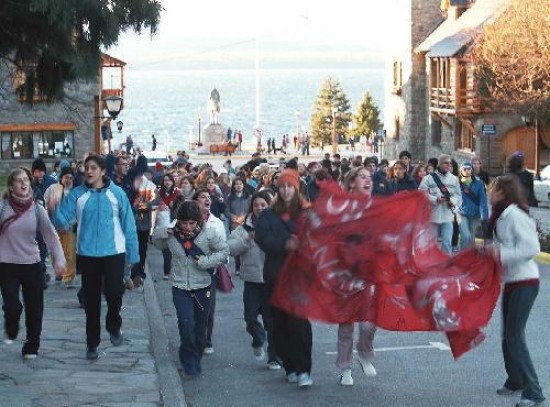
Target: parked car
{"x":542,"y":186}
{"x":157,"y":155}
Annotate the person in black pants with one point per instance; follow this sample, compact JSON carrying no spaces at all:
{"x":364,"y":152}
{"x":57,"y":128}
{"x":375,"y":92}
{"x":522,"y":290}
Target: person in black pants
{"x":275,"y":235}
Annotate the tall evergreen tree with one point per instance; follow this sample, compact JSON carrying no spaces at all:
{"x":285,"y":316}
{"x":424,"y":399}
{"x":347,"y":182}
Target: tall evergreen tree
{"x":50,"y":42}
{"x":367,"y":118}
{"x":331,"y":96}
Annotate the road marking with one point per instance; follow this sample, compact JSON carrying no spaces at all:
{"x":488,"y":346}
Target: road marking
{"x":432,"y":345}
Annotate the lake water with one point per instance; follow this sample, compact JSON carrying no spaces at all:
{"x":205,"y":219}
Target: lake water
{"x":168,"y":103}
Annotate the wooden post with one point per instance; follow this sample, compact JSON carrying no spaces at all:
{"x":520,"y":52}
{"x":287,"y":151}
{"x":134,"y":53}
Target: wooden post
{"x":97,"y":125}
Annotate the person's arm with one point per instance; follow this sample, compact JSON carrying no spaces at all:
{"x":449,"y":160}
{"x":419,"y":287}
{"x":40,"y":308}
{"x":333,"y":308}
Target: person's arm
{"x":47,"y":230}
{"x":239,"y":242}
{"x":66,"y":211}
{"x":219,"y":251}
{"x":270,"y":238}
{"x":426,"y":186}
{"x":456,"y":194}
{"x":128,"y":224}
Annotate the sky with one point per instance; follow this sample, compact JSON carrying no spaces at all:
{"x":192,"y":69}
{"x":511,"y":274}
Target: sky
{"x":199,"y":33}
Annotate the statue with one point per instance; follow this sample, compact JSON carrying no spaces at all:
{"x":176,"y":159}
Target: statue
{"x":214,"y":106}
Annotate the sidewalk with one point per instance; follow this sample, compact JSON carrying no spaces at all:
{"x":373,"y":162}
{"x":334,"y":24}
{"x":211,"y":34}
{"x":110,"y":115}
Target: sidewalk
{"x":136,"y":374}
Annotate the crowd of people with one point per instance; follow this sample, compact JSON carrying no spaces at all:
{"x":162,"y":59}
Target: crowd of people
{"x":98,"y":216}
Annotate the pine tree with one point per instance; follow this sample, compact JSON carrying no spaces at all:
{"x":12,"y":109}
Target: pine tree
{"x":51,"y":42}
{"x":367,"y":118}
{"x":330,"y":96}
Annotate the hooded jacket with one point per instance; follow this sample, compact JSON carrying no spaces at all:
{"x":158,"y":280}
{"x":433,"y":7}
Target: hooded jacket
{"x":252,"y":257}
{"x":106,"y":224}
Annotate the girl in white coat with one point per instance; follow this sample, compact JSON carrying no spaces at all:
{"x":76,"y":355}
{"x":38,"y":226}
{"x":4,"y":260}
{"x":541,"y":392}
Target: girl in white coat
{"x":516,"y":246}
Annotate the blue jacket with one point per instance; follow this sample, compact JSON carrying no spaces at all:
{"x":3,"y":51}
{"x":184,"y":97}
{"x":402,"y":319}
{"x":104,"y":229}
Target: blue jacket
{"x":474,"y":200}
{"x":106,"y":224}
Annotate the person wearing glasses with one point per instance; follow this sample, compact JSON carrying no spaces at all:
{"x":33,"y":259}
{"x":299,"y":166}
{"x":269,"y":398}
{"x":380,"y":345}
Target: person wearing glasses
{"x":106,"y":244}
{"x":445,"y":196}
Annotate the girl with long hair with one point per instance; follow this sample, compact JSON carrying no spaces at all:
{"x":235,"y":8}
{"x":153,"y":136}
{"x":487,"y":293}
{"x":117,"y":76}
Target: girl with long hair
{"x":255,"y":297}
{"x":276,"y":236}
{"x":20,"y":220}
{"x":516,"y":245}
{"x":238,"y":204}
{"x":358,"y":181}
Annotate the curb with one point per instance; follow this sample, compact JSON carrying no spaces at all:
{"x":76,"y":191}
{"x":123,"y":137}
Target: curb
{"x":170,"y":384}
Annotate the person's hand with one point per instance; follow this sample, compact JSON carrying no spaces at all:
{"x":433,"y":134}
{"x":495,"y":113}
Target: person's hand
{"x":492,"y":250}
{"x":59,"y":270}
{"x":292,"y":243}
{"x":251,"y":235}
{"x":441,"y":199}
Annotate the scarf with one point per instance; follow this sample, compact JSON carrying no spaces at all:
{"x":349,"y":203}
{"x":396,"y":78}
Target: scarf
{"x":186,"y":238}
{"x":19,"y":206}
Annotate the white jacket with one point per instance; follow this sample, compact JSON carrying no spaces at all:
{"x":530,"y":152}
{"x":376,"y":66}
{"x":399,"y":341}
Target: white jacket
{"x":517,"y":238}
{"x":441,"y":212}
{"x":252,"y":257}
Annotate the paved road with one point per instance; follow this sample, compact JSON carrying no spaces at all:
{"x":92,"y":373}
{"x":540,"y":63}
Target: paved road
{"x":409,"y":376}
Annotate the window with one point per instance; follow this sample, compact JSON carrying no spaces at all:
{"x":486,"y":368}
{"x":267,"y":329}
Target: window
{"x":45,"y":144}
{"x":467,"y":138}
{"x":435,"y":130}
{"x":18,"y":80}
{"x":397,"y":78}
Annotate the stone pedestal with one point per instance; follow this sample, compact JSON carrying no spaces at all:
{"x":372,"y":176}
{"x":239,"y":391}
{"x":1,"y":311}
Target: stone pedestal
{"x":212,"y":134}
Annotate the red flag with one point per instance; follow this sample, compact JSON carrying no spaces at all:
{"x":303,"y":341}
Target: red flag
{"x":378,"y":260}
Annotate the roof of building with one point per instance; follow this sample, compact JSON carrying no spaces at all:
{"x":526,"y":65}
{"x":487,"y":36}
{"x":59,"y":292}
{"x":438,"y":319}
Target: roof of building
{"x":455,"y":35}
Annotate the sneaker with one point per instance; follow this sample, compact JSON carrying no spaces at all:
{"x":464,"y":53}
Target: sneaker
{"x":505,"y":391}
{"x":304,"y":380}
{"x":237,"y":272}
{"x":92,"y":353}
{"x":137,"y":281}
{"x":31,"y":355}
{"x":116,"y":338}
{"x":529,"y":403}
{"x":128,"y":284}
{"x":273,"y":365}
{"x":8,"y":341}
{"x":259,"y":353}
{"x":292,"y":378}
{"x":209,"y":350}
{"x":166,"y":277}
{"x":345,"y":378}
{"x":368,"y":368}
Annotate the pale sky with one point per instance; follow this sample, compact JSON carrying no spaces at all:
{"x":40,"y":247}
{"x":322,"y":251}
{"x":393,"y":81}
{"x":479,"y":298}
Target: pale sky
{"x":197,"y":29}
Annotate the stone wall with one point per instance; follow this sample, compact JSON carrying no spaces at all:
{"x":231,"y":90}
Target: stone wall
{"x":77,"y":108}
{"x":411,"y":106}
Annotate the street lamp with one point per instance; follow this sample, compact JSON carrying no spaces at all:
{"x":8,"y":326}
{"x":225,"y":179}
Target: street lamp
{"x":199,"y":120}
{"x":334,"y":139}
{"x":113,"y":105}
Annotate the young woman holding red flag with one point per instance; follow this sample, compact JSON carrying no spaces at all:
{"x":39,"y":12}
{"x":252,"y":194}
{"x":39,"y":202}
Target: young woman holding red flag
{"x":276,"y":236}
{"x":357,"y":181}
{"x":516,"y":246}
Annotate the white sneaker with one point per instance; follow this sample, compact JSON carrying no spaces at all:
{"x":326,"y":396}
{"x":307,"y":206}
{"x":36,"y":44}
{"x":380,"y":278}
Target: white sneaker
{"x":273,"y":365}
{"x":8,"y":341}
{"x":345,"y":378}
{"x":292,"y":378}
{"x":304,"y":380}
{"x":209,"y":350}
{"x":30,"y":356}
{"x":367,"y":367}
{"x":259,"y":353}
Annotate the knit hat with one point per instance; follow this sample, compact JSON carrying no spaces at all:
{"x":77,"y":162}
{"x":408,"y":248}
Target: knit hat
{"x":466,"y":164}
{"x":65,"y":171}
{"x":290,"y":177}
{"x":443,"y":158}
{"x":38,"y":164}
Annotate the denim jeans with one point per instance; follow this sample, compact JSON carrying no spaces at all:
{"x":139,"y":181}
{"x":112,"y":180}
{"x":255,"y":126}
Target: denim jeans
{"x":192,"y":309}
{"x":256,"y":302}
{"x":516,"y":307}
{"x":444,"y":232}
{"x":28,"y":277}
{"x":468,"y":226}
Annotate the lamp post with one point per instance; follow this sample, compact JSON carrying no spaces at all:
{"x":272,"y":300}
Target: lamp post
{"x":199,"y":125}
{"x":113,"y":105}
{"x":334,"y":139}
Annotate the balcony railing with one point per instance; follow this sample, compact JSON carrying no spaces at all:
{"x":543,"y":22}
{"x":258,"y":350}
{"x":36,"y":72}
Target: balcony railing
{"x":445,"y":100}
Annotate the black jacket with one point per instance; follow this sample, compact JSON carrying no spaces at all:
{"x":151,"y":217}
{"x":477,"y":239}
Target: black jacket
{"x":271,"y":236}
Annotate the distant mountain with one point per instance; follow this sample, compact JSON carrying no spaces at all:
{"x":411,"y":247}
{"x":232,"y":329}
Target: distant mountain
{"x":210,"y":54}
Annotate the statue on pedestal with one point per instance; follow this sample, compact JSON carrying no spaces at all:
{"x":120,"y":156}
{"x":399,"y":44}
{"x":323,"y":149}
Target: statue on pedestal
{"x":214,"y":106}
